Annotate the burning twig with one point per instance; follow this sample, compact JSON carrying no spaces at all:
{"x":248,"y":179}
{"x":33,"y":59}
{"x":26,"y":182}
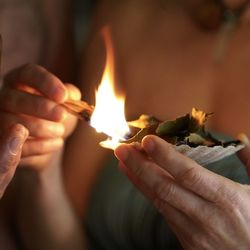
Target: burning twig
{"x":80,"y":109}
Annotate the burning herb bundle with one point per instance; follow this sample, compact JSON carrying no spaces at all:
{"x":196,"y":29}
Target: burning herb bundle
{"x":188,"y":129}
{"x":187,"y":133}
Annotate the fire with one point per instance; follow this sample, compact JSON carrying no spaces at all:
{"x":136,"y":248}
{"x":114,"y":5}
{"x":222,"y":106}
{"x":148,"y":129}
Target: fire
{"x":199,"y":115}
{"x":109,"y":113}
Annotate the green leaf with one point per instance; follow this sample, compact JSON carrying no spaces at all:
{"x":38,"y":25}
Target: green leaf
{"x":178,"y":127}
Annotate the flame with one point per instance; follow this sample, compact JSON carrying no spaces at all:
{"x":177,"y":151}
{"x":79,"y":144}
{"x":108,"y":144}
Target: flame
{"x":109,"y":113}
{"x":199,"y":115}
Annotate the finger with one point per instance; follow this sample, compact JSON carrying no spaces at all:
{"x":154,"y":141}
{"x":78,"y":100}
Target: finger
{"x":10,"y":151}
{"x":186,"y":230}
{"x":40,"y":79}
{"x":148,"y":176}
{"x":73,"y":92}
{"x":188,"y":173}
{"x":19,"y":102}
{"x":37,"y":127}
{"x":137,"y":182}
{"x":37,"y":162}
{"x":34,"y":147}
{"x":244,"y":154}
{"x":181,"y":224}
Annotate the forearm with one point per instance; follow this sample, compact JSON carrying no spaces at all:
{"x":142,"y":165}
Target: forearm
{"x":46,"y":219}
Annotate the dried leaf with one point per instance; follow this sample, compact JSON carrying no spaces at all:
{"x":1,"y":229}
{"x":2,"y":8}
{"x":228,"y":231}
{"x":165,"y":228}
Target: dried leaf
{"x":189,"y":130}
{"x":141,"y":134}
{"x":144,"y":121}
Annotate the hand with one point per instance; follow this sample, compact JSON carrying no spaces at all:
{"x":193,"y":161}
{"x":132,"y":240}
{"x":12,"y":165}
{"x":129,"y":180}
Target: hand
{"x":10,"y":151}
{"x":32,"y":96}
{"x":205,"y":210}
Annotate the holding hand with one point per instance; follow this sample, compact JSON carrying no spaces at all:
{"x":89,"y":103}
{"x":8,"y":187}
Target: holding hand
{"x":32,"y":96}
{"x":10,"y":152}
{"x":205,"y":210}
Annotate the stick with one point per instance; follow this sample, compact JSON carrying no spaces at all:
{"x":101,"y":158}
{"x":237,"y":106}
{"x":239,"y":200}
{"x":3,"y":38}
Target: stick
{"x":80,"y":109}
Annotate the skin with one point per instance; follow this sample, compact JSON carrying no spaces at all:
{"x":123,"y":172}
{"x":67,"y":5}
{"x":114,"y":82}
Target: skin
{"x":33,"y":96}
{"x":161,"y":56}
{"x":40,"y":93}
{"x":205,"y":210}
{"x":12,"y":141}
{"x":183,"y":75}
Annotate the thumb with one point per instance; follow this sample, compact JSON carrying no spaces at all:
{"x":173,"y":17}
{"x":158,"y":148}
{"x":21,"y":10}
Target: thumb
{"x":73,"y":92}
{"x":244,"y":154}
{"x":10,"y":151}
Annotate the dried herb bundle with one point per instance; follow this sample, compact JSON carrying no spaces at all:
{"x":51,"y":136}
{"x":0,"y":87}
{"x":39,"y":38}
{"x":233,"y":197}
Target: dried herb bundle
{"x":185,"y":130}
{"x":188,"y":129}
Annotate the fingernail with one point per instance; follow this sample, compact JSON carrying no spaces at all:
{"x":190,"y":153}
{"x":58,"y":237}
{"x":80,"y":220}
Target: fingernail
{"x":74,"y":95}
{"x":148,"y":144}
{"x":122,"y":153}
{"x":243,"y":138}
{"x":21,"y":130}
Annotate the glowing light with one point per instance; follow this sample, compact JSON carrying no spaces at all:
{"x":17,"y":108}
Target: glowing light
{"x":109,"y":113}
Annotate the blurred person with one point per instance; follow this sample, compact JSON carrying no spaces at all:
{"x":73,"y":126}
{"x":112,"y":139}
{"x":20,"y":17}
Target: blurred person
{"x":165,"y":65}
{"x":161,"y":36}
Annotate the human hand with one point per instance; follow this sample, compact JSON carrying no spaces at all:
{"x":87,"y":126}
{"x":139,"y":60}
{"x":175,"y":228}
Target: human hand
{"x":11,"y":143}
{"x":205,"y":210}
{"x":32,"y":96}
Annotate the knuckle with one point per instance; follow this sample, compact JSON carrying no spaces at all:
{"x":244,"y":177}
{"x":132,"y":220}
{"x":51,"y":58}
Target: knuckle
{"x":235,"y":200}
{"x":44,"y":76}
{"x":142,"y":170}
{"x":36,"y":71}
{"x":167,"y":155}
{"x":138,"y":170}
{"x":191,"y":176}
{"x":31,"y":68}
{"x":165,"y":191}
{"x":39,"y":127}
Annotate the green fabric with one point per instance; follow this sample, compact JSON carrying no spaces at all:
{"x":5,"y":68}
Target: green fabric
{"x":119,"y":217}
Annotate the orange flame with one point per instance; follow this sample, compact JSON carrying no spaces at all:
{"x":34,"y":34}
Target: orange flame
{"x":199,"y":115}
{"x":109,"y":113}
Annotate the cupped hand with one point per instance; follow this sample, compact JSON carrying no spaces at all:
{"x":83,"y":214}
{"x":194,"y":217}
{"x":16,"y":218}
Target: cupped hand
{"x":32,"y":96}
{"x":11,"y":143}
{"x":205,"y":210}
